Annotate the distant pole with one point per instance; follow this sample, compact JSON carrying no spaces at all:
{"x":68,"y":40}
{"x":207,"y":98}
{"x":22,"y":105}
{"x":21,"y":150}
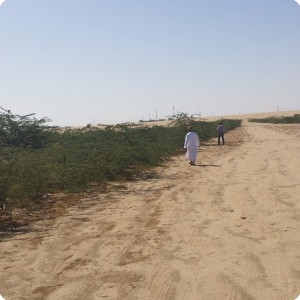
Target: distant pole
{"x":277,"y":108}
{"x":156,"y":115}
{"x":149,"y":117}
{"x":173,"y":110}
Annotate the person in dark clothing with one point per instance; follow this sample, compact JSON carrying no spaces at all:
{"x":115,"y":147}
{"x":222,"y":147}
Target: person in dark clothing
{"x":221,"y":131}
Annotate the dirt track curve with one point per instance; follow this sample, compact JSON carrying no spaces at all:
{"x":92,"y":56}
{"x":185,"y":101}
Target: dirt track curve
{"x":227,"y":228}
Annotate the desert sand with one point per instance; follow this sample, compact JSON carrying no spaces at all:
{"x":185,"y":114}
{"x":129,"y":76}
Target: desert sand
{"x":227,"y":228}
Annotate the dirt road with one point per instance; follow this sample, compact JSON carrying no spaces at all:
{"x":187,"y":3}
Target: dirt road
{"x":227,"y":228}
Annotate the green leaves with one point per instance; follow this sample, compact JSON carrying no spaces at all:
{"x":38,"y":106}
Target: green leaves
{"x":35,"y":161}
{"x":279,"y":120}
{"x":21,"y":131}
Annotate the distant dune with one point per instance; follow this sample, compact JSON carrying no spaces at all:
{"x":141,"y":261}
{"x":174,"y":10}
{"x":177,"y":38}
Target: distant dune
{"x":256,"y":115}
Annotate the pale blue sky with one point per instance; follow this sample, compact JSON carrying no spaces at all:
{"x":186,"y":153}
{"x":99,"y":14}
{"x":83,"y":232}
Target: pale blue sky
{"x":94,"y":61}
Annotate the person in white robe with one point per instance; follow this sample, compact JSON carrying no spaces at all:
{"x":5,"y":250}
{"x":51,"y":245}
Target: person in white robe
{"x":191,"y":144}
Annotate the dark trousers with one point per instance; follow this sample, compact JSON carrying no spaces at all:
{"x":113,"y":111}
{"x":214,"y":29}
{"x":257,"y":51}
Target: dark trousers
{"x":221,"y":135}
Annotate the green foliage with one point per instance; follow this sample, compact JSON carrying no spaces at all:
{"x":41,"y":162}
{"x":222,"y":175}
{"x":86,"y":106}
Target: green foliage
{"x":73,"y":159}
{"x":279,"y":120}
{"x":21,"y":131}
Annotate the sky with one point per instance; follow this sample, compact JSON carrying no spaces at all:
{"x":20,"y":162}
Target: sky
{"x":107,"y":62}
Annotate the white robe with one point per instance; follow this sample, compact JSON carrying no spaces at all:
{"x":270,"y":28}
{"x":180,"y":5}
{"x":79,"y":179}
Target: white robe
{"x":191,"y":144}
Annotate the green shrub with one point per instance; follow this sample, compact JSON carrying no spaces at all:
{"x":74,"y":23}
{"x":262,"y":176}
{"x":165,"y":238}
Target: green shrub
{"x":21,"y":131}
{"x":72,"y":160}
{"x":279,"y":120}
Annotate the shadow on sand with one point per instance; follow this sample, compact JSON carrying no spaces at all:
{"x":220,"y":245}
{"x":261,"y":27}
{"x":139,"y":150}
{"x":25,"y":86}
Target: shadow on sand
{"x":203,"y":165}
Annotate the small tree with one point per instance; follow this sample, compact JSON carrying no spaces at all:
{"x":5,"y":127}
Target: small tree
{"x":21,"y":131}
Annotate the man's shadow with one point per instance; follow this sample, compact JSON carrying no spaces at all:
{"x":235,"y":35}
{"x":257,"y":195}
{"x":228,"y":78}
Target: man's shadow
{"x":205,"y":166}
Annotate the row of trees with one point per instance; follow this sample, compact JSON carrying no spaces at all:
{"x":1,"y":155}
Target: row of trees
{"x":36,"y":159}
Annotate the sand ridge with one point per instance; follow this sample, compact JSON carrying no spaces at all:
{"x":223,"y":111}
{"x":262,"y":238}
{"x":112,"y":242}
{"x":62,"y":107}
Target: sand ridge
{"x":227,"y":228}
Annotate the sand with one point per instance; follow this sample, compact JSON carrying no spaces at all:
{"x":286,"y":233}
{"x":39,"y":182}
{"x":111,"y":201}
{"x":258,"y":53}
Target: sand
{"x":227,"y":228}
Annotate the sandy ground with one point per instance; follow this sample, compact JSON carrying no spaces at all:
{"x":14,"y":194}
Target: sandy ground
{"x":227,"y":228}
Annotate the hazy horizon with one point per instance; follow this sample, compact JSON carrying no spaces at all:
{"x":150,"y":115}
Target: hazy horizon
{"x":112,"y":62}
